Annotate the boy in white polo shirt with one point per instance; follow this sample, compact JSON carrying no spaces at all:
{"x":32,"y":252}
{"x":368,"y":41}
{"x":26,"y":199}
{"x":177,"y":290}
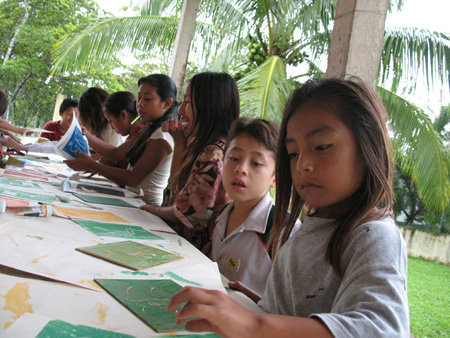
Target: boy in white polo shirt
{"x":241,"y":229}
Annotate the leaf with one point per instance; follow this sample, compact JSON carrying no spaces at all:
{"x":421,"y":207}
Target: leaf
{"x":264,"y":91}
{"x":419,"y":149}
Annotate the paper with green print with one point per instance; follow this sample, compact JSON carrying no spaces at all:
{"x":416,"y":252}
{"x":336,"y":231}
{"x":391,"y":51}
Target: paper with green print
{"x":104,"y":200}
{"x":59,"y":328}
{"x":19,"y":183}
{"x":102,"y":229}
{"x":29,"y":196}
{"x":147,"y":299}
{"x":132,"y":255}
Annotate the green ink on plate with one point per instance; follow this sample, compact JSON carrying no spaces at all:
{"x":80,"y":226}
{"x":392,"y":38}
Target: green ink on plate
{"x":181,"y":279}
{"x":59,"y":328}
{"x":135,"y":273}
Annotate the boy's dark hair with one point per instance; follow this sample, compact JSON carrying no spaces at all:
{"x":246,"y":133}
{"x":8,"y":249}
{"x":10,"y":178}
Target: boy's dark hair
{"x":69,"y":102}
{"x":119,"y":101}
{"x":264,"y":131}
{"x":3,"y":103}
{"x":165,"y":88}
{"x":362,"y":111}
{"x":91,"y":110}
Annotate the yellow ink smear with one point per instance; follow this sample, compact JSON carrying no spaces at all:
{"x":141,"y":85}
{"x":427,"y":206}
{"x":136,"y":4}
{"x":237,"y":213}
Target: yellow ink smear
{"x":91,"y":283}
{"x":16,"y":300}
{"x":34,"y":261}
{"x":102,"y":313}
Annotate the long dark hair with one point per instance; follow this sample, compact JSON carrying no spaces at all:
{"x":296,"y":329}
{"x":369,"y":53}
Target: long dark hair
{"x":215,"y":104}
{"x":360,"y":108}
{"x":119,"y":101}
{"x":90,"y":107}
{"x":165,"y":88}
{"x":3,"y":103}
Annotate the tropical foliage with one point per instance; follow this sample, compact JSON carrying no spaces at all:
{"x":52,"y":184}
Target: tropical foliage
{"x":29,"y":31}
{"x":409,"y":206}
{"x":288,"y":33}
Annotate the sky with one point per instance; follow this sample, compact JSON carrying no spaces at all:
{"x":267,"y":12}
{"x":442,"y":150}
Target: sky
{"x":430,"y":14}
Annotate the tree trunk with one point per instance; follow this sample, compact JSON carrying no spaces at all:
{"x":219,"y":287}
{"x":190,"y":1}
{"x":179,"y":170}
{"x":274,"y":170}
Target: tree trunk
{"x":16,"y":33}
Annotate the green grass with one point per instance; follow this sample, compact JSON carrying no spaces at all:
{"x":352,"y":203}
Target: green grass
{"x":429,"y":298}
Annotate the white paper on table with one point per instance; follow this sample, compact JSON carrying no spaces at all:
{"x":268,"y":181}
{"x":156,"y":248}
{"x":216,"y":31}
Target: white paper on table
{"x":45,"y":147}
{"x":71,"y":304}
{"x":72,"y":141}
{"x":51,"y":254}
{"x":63,"y":302}
{"x":39,"y":130}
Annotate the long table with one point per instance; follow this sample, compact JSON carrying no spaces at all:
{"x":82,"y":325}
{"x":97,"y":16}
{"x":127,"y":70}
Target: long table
{"x":44,"y":278}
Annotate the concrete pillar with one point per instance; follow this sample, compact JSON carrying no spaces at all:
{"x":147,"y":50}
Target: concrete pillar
{"x":357,"y":39}
{"x":185,"y":33}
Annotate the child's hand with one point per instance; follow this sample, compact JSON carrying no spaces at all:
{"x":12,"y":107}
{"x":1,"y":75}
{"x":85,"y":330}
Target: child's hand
{"x":26,"y":132}
{"x":238,"y":286}
{"x":84,"y":163}
{"x":218,"y":312}
{"x":11,"y":135}
{"x":152,"y":208}
{"x":176,"y":131}
{"x":9,"y":142}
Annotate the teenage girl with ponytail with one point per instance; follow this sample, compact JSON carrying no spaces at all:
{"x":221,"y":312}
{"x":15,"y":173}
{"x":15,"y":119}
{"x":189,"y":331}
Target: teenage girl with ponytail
{"x":149,"y":154}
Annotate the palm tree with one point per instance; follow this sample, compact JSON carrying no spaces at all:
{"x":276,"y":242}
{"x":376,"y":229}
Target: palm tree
{"x":257,"y":40}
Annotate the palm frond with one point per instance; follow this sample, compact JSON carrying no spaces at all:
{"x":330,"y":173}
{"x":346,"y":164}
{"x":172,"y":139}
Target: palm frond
{"x":264,"y":91}
{"x":316,"y":16}
{"x":159,"y":7}
{"x":226,"y":15}
{"x":408,"y":51}
{"x":226,"y":57}
{"x":101,"y":39}
{"x":419,"y":149}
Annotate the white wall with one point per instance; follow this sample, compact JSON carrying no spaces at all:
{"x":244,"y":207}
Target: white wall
{"x":434,"y":247}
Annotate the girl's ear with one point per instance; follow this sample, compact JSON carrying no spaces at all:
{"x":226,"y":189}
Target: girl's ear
{"x":273,"y":185}
{"x":123,"y":114}
{"x":168,"y":103}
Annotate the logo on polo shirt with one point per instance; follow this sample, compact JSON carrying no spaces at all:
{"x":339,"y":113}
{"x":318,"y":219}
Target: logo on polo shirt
{"x":233,"y":264}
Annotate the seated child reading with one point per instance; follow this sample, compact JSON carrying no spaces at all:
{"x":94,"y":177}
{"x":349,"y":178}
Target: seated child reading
{"x":241,"y":229}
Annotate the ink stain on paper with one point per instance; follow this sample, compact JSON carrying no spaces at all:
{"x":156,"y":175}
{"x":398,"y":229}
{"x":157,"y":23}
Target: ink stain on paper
{"x":37,"y":237}
{"x":16,"y":301}
{"x":34,"y":261}
{"x":102,"y":313}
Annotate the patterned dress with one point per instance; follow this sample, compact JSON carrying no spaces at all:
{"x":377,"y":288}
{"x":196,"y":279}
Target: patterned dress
{"x":202,"y":197}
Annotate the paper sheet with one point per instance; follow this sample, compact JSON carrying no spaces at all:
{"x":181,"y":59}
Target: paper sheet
{"x":38,"y":249}
{"x":95,"y":215}
{"x":29,"y":196}
{"x":72,"y":141}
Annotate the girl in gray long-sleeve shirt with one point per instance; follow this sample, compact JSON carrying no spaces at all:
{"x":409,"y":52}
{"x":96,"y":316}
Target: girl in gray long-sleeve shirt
{"x":343,"y":273}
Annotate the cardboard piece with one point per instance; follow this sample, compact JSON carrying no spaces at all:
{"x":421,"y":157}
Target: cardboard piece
{"x":117,"y":230}
{"x":147,"y":299}
{"x":102,"y":190}
{"x":104,"y":200}
{"x":132,"y":255}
